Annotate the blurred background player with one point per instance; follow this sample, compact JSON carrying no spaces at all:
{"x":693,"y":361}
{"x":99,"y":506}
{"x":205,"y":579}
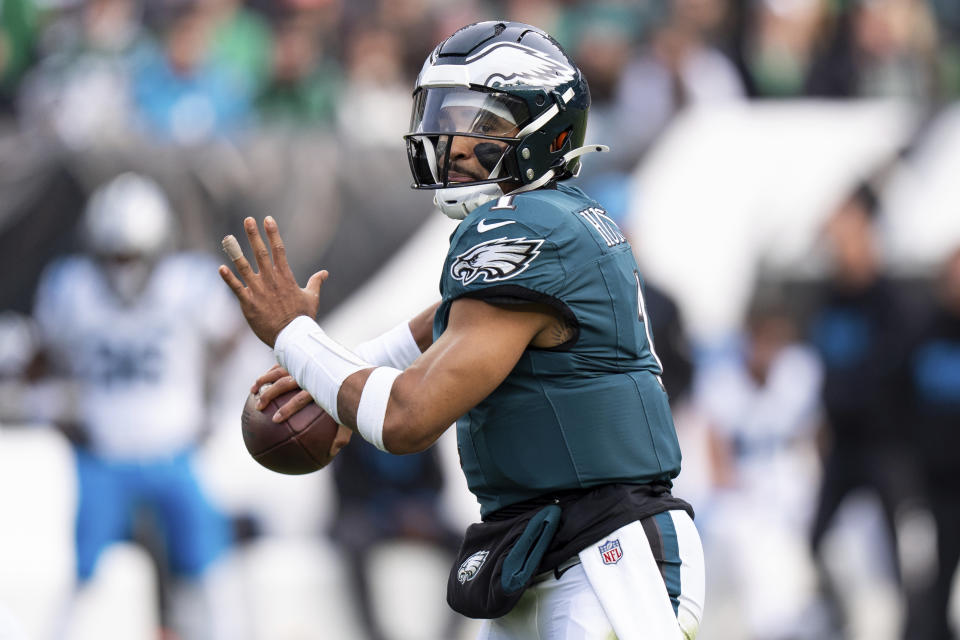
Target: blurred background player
{"x":861,"y":330}
{"x":382,"y":498}
{"x":935,"y":377}
{"x":762,"y":399}
{"x":132,"y":325}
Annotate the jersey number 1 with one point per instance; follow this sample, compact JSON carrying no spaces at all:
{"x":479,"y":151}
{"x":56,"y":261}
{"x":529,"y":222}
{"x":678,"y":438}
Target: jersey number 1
{"x":642,"y":316}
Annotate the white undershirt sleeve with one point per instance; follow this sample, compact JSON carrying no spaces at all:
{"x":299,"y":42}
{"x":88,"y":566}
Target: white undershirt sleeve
{"x":318,"y":363}
{"x":396,"y":348}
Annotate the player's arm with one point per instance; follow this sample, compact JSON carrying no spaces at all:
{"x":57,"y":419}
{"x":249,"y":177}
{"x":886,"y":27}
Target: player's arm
{"x":406,"y":411}
{"x":479,"y":348}
{"x":399,"y":347}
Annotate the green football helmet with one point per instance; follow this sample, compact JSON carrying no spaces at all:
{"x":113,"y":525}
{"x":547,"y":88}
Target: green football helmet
{"x":498,"y":108}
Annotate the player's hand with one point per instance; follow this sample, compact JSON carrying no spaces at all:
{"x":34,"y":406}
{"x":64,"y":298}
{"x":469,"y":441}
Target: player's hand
{"x":278,"y":382}
{"x":340,"y":440}
{"x":271,"y":298}
{"x":273,"y":376}
{"x":275,"y":383}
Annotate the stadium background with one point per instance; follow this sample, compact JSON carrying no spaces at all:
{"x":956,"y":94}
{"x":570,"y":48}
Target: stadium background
{"x":737,"y":127}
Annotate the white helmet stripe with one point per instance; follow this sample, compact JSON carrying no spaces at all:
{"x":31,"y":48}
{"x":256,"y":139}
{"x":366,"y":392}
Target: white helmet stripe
{"x":540,"y":121}
{"x":444,"y":75}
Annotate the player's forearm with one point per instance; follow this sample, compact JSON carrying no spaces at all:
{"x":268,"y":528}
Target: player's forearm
{"x":353,"y":391}
{"x":410,"y":417}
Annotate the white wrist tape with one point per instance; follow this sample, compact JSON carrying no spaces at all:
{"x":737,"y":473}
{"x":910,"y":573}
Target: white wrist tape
{"x":373,"y":405}
{"x":395,"y":348}
{"x":318,"y":363}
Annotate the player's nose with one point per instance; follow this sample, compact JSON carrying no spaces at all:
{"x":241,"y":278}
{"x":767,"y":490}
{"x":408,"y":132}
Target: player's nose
{"x":461,"y":147}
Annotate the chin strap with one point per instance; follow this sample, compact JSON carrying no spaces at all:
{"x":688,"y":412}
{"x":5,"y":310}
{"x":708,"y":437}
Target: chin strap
{"x":551,"y":173}
{"x":458,"y":202}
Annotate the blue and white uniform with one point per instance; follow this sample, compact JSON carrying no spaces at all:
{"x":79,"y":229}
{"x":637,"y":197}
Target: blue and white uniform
{"x":141,"y":370}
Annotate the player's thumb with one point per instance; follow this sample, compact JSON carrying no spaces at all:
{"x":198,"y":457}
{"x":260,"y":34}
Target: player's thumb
{"x":316,"y":281}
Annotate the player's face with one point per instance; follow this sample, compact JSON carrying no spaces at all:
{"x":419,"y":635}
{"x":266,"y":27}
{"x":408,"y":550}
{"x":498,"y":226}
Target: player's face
{"x":127,"y":275}
{"x":473,"y":158}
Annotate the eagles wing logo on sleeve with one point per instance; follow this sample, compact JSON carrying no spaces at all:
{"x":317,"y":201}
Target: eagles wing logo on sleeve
{"x":495,"y":260}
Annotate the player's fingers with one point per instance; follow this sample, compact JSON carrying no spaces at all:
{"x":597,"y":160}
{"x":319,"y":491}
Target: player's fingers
{"x":341,"y":440}
{"x":316,"y":281}
{"x":275,"y":389}
{"x":275,"y":373}
{"x":277,"y":249}
{"x":260,"y":252}
{"x":233,"y":282}
{"x":232,"y":248}
{"x":291,"y":406}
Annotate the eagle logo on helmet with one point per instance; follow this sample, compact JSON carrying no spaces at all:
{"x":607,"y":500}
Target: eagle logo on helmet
{"x":508,"y":63}
{"x":495,"y":260}
{"x":471,"y":566}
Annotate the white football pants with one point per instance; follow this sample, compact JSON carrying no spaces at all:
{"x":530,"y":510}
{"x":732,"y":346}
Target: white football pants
{"x":644,"y":581}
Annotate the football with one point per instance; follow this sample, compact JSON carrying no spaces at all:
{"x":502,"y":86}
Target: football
{"x":297,"y":446}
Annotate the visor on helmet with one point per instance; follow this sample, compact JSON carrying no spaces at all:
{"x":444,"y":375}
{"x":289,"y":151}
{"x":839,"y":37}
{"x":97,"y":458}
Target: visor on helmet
{"x":480,"y":124}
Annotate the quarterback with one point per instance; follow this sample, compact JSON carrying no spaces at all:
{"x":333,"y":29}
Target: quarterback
{"x":539,"y":351}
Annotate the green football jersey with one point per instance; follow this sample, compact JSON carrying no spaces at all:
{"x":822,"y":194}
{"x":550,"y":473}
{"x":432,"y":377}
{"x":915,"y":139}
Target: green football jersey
{"x":591,"y":411}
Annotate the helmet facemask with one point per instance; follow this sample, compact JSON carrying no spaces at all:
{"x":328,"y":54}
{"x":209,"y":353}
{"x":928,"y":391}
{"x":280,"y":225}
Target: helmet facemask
{"x":463,"y":137}
{"x":499,"y":109}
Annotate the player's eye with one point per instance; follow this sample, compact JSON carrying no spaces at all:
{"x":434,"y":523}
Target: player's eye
{"x":492,"y":125}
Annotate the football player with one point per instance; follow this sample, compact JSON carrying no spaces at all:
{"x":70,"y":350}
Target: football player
{"x":539,"y":350}
{"x":132,"y":324}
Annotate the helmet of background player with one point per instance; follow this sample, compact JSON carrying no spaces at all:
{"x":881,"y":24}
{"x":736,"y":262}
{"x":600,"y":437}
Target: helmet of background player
{"x":127,"y":224}
{"x":498,"y":108}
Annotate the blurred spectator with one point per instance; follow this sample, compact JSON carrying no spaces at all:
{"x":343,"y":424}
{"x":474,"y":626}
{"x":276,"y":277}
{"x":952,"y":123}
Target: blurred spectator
{"x":603,"y":43}
{"x":383,"y":498}
{"x":182,"y":93}
{"x":935,"y":375}
{"x":762,"y":401}
{"x":18,"y":33}
{"x":240,"y":43}
{"x":860,"y":330}
{"x":414,"y":19}
{"x":671,"y":342}
{"x":878,"y":48}
{"x":131,"y":325}
{"x":304,"y":85}
{"x":544,"y":14}
{"x":678,"y":68}
{"x":779,"y":43}
{"x":80,"y":92}
{"x":375,"y":106}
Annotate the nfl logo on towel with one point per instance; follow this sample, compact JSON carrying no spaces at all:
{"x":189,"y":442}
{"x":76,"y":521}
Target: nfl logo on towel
{"x":610,"y":551}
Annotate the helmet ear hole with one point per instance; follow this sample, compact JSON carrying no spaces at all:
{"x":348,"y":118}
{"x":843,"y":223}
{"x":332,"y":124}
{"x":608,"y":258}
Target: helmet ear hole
{"x":560,"y":140}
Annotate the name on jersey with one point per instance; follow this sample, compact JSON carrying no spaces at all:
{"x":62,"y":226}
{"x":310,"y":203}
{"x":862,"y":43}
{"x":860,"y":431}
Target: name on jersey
{"x":495,"y":260}
{"x":604,"y":225}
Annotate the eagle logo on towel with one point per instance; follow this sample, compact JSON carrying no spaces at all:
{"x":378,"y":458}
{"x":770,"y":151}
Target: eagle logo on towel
{"x":471,"y":566}
{"x":495,"y":260}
